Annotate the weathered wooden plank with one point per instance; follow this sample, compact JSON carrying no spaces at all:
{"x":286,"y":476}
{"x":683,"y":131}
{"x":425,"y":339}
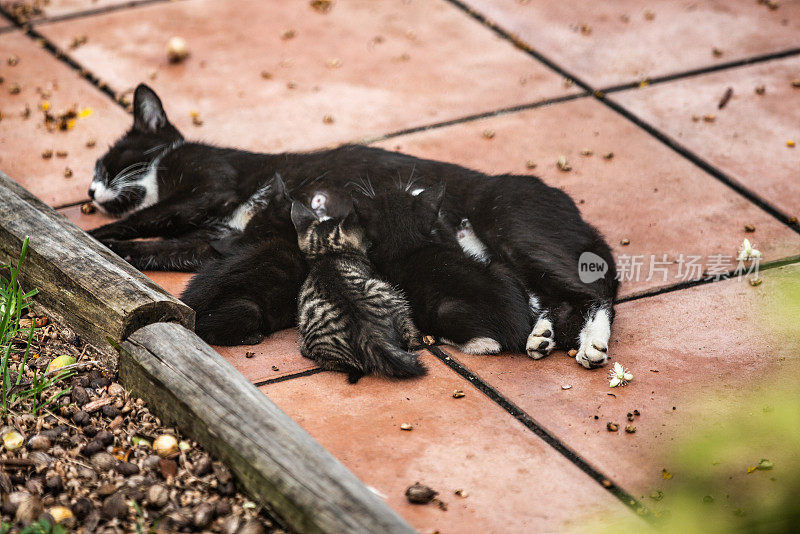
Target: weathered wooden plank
{"x":80,"y":282}
{"x":189,"y":384}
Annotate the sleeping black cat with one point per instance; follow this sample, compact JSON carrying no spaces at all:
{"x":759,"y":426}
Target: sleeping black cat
{"x":192,"y":194}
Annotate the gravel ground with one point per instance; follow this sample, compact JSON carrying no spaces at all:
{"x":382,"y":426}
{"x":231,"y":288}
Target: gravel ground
{"x":99,"y":461}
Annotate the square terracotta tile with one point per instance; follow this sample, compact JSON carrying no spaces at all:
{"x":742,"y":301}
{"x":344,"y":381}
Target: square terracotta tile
{"x":279,"y":75}
{"x":514,"y":482}
{"x":646,"y":193}
{"x":692,"y":353}
{"x":748,"y":138}
{"x":42,"y":78}
{"x":276,"y":356}
{"x":609,"y":43}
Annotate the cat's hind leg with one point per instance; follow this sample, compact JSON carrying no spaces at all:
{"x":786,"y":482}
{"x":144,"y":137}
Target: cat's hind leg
{"x":179,"y":254}
{"x":541,"y":340}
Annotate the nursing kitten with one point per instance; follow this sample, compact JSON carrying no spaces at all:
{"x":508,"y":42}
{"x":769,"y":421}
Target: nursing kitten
{"x":349,"y":320}
{"x":251,"y":291}
{"x":480,"y":307}
{"x":190,"y":193}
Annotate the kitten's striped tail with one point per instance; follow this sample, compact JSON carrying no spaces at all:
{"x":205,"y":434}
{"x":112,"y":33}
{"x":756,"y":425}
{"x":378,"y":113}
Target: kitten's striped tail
{"x":393,"y":362}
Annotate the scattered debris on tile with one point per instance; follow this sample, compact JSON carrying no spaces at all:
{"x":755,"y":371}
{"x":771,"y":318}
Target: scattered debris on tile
{"x":709,"y":117}
{"x":755,"y":282}
{"x":12,"y":61}
{"x":619,"y":376}
{"x":630,"y":416}
{"x":461,"y":493}
{"x":441,"y":504}
{"x":606,"y":483}
{"x":796,"y":83}
{"x":321,"y":6}
{"x":420,"y":494}
{"x":406,"y":426}
{"x":67,"y":172}
{"x":327,"y":119}
{"x":716,"y":52}
{"x":488,"y":134}
{"x":275,"y":368}
{"x":760,"y":90}
{"x":566,"y":386}
{"x":177,"y":49}
{"x":644,"y":83}
{"x":747,"y":252}
{"x":612,"y":427}
{"x":572,"y":353}
{"x":266,"y":75}
{"x":790,"y":143}
{"x":586,"y":29}
{"x":291,"y":85}
{"x":61,"y":153}
{"x":695,"y":118}
{"x":586,"y":152}
{"x":14,"y":89}
{"x":88,"y":208}
{"x":625,"y":242}
{"x":78,"y":40}
{"x":333,"y":63}
{"x":196,"y":120}
{"x":637,"y":413}
{"x":47,"y":154}
{"x":608,"y":155}
{"x":249,"y":354}
{"x":665,"y":474}
{"x":530,"y":164}
{"x":657,"y":495}
{"x":428,"y":340}
{"x":288,"y":34}
{"x":563,"y":164}
{"x":599,"y":94}
{"x":630,"y":429}
{"x":749,"y":228}
{"x":458,"y":394}
{"x":649,"y":15}
{"x":725,"y":98}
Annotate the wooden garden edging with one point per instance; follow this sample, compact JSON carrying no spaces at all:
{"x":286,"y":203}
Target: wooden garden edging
{"x":80,"y":282}
{"x":186,"y":382}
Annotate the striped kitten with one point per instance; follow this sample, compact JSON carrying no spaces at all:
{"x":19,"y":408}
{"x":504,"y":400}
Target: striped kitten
{"x":349,"y":320}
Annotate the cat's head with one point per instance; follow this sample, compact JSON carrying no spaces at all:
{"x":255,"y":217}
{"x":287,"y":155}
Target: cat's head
{"x":317,"y":236}
{"x":117,"y":186}
{"x":397,"y":221}
{"x":271,"y":208}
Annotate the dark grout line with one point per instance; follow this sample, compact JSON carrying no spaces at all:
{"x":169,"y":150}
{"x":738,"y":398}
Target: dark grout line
{"x":95,"y":11}
{"x":762,"y":203}
{"x":703,"y":281}
{"x":307,"y":372}
{"x":477,"y":116}
{"x":62,"y":56}
{"x":754,"y":60}
{"x":521,"y":416}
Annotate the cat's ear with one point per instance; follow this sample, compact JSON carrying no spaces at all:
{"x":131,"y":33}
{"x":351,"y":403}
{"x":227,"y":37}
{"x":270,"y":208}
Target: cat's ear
{"x":277,"y":187}
{"x":148,"y":113}
{"x":433,"y":195}
{"x":302,"y":217}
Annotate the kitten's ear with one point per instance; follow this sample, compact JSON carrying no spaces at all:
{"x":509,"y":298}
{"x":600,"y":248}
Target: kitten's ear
{"x":277,"y":187}
{"x":433,"y":195}
{"x":302,"y":217}
{"x":148,"y":113}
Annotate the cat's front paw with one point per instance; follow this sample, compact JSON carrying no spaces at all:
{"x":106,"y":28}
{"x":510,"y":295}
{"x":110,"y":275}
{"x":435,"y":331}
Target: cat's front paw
{"x":541,"y":341}
{"x":104,"y":233}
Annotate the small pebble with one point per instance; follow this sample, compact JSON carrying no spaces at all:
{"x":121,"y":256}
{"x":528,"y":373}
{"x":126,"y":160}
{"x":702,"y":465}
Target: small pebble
{"x":612,"y":427}
{"x":458,"y":394}
{"x":406,"y":426}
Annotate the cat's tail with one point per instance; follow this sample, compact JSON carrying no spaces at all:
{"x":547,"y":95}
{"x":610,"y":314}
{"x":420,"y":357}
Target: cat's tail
{"x":393,"y":362}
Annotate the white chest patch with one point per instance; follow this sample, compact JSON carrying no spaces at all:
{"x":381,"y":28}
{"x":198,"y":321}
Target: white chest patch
{"x":150,"y":184}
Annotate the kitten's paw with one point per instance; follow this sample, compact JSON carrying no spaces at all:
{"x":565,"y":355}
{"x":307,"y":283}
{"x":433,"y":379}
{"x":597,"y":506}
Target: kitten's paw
{"x":480,"y":345}
{"x":593,"y":353}
{"x":540,"y":342}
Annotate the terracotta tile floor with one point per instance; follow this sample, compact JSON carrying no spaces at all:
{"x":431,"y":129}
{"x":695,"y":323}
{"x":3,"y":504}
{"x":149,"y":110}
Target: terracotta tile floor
{"x":519,"y":444}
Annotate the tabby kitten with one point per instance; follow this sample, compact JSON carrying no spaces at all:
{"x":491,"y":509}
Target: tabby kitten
{"x":477,"y":305}
{"x":349,"y":320}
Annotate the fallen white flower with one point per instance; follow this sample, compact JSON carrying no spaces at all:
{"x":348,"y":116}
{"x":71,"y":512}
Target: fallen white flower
{"x":747,"y":252}
{"x":619,"y":376}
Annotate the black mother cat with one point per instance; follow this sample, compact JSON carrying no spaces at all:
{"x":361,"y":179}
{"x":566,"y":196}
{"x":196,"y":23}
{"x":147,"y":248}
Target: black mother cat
{"x":192,"y":194}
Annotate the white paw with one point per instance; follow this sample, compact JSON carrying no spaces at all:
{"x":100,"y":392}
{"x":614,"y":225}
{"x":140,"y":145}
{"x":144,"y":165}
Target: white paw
{"x":540,"y":342}
{"x":592,"y":354}
{"x":480,"y":345}
{"x":594,"y":336}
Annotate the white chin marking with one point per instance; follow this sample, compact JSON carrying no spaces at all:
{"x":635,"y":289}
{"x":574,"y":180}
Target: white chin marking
{"x":417,"y":191}
{"x":540,"y":342}
{"x":103,"y":193}
{"x":594,"y":339}
{"x":480,"y":345}
{"x":471,"y":244}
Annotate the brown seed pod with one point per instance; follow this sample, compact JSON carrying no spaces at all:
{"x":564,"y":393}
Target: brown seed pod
{"x":420,"y":494}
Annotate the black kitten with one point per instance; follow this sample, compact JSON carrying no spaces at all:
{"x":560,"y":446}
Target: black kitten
{"x":480,"y":307}
{"x":349,"y":319}
{"x":188,"y":193}
{"x":252,"y":290}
